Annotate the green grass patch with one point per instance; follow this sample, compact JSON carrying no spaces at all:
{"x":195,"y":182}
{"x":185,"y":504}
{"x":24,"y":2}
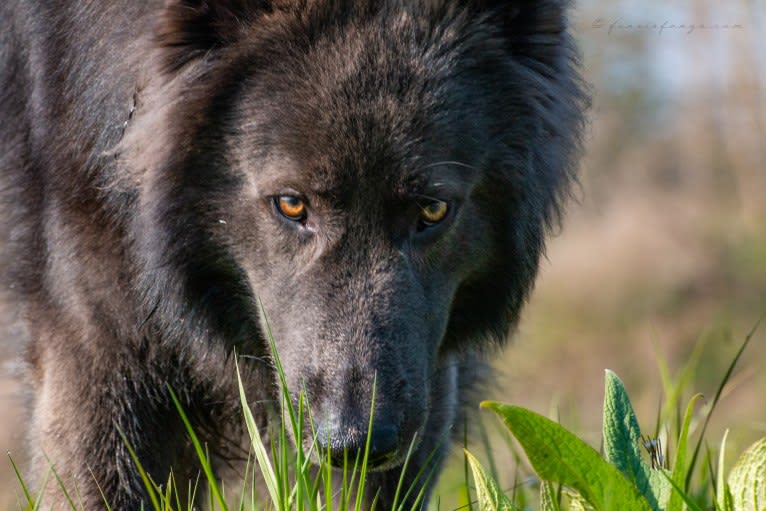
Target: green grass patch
{"x":633,"y":470}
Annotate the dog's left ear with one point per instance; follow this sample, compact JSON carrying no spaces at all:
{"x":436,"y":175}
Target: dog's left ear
{"x":188,"y":29}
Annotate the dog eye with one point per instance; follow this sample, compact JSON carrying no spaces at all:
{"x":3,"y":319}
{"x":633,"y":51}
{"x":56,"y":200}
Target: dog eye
{"x":433,"y":213}
{"x":291,"y":207}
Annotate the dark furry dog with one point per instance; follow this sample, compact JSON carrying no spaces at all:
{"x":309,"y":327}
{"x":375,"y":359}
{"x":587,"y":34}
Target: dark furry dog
{"x":379,"y":175}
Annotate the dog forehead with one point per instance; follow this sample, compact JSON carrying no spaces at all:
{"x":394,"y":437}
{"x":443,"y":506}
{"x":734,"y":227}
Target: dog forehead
{"x":335,"y":145}
{"x":344,"y":153}
{"x":388,"y":74}
{"x":373,"y":104}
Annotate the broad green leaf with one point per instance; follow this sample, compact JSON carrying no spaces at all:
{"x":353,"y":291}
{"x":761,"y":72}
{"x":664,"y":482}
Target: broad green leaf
{"x":679,"y":464}
{"x":622,"y":435}
{"x":622,"y":443}
{"x":491,"y":497}
{"x":559,"y":456}
{"x":747,"y":480}
{"x":548,"y":499}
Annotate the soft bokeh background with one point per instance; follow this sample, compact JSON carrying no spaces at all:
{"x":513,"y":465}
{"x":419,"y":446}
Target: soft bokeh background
{"x":666,"y":245}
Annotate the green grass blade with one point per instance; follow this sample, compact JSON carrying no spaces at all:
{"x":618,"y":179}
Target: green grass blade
{"x":61,"y":485}
{"x":406,"y":463}
{"x":466,"y":472}
{"x":292,"y":413}
{"x":243,"y":489}
{"x":367,"y":444}
{"x":327,"y":469}
{"x":422,"y":472}
{"x":421,"y":495}
{"x":747,"y":480}
{"x":488,"y":493}
{"x":344,"y":486}
{"x":259,"y":448}
{"x":673,"y":390}
{"x":559,"y":456}
{"x":20,"y":480}
{"x":679,"y":464}
{"x":280,"y":373}
{"x":192,"y":492}
{"x":721,"y":489}
{"x":39,"y":500}
{"x":488,"y":451}
{"x":148,"y":483}
{"x":680,"y":491}
{"x":100,"y":490}
{"x":723,"y":383}
{"x":299,"y":490}
{"x":203,"y":458}
{"x":166,"y":499}
{"x":283,"y":464}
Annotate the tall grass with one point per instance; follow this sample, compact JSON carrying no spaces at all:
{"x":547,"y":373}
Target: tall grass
{"x":634,"y":471}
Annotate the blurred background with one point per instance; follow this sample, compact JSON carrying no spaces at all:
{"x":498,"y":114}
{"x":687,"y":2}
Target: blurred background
{"x":663,"y":250}
{"x":665,"y":247}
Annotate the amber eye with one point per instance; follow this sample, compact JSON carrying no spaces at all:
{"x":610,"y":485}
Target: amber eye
{"x":291,"y":207}
{"x":433,"y":212}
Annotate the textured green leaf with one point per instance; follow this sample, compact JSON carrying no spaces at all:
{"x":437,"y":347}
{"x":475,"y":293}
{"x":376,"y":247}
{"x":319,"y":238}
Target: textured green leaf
{"x":622,"y":440}
{"x":576,"y":501}
{"x":491,"y":497}
{"x":660,"y":486}
{"x":679,"y":464}
{"x":559,"y":456}
{"x":548,"y":499}
{"x":747,"y":480}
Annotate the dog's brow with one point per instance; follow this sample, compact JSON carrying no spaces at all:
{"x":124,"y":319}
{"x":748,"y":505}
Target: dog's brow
{"x":448,"y":175}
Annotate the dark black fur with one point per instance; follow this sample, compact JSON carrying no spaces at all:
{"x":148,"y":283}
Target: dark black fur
{"x":141,"y":251}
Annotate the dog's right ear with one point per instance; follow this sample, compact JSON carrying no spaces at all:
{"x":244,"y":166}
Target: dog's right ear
{"x":188,"y":29}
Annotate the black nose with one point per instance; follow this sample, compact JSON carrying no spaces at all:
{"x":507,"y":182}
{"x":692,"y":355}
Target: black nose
{"x":339,"y":442}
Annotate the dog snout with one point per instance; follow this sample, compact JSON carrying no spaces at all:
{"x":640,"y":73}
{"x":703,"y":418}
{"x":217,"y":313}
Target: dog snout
{"x":344,"y":443}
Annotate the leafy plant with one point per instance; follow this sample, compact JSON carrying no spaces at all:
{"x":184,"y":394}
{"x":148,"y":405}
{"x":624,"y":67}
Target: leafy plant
{"x":622,"y":479}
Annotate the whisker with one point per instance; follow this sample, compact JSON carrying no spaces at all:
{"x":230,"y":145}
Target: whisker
{"x":449,"y":162}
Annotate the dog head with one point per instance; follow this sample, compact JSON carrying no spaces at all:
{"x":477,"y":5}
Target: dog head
{"x":378,"y":175}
